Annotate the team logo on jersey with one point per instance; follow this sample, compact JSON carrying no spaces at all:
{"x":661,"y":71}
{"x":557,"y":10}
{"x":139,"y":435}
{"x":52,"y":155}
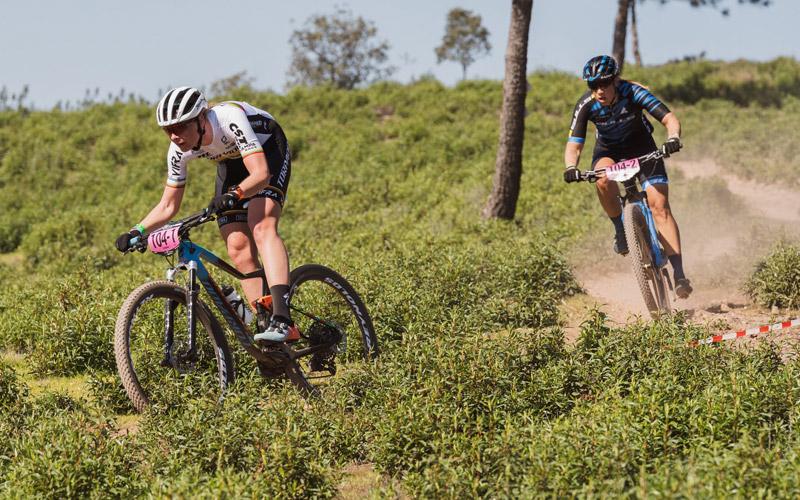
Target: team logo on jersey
{"x":240,"y":138}
{"x":174,"y":163}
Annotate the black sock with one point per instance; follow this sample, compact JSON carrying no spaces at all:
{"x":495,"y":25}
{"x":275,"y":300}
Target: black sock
{"x":677,"y":266}
{"x":280,"y":297}
{"x":617,"y":221}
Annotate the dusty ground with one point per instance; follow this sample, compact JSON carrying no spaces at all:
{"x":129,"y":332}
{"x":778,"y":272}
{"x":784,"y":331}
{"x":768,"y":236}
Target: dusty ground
{"x":727,"y":223}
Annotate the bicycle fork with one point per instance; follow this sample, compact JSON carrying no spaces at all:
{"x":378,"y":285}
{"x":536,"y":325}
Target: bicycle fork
{"x":169,"y":317}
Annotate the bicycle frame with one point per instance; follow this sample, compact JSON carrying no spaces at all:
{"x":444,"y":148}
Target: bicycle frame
{"x":191,"y":257}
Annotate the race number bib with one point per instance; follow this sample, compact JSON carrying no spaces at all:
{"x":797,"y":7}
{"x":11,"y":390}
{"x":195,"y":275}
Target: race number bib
{"x":623,"y":170}
{"x":164,"y":240}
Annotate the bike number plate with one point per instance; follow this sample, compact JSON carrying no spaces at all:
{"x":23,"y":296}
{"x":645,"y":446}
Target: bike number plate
{"x":623,"y":170}
{"x":164,"y":240}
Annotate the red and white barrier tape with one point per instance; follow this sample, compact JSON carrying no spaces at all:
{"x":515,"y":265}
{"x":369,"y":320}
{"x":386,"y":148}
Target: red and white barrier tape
{"x":750,"y":332}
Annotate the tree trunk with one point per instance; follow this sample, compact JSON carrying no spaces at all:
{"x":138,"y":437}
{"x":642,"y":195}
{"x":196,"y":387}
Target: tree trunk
{"x":620,"y":27}
{"x":635,"y":35}
{"x":502,"y":203}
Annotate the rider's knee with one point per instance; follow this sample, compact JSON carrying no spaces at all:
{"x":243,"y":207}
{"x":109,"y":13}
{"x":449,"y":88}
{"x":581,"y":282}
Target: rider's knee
{"x":660,"y":211}
{"x":239,"y":248}
{"x":265,"y":230}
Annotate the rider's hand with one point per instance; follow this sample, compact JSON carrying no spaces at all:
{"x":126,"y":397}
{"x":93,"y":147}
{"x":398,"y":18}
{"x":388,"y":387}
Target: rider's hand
{"x":224,"y":201}
{"x":572,"y":174}
{"x":673,"y":145}
{"x":123,"y":242}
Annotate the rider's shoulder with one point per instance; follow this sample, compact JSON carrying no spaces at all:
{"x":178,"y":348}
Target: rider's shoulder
{"x":586,"y":98}
{"x":229,"y":108}
{"x":631,"y":86}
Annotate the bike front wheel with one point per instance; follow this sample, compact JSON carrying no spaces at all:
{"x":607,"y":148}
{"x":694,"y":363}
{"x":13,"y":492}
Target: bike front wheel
{"x":154,"y":355}
{"x":328,"y":311}
{"x":648,"y":276}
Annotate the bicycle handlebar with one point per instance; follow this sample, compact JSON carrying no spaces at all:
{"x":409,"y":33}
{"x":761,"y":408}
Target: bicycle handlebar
{"x":186,"y":224}
{"x":594,"y":175}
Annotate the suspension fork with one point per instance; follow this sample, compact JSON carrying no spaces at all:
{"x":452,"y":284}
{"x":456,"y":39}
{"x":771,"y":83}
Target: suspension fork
{"x":169,"y":314}
{"x":191,"y":307}
{"x":169,"y":322}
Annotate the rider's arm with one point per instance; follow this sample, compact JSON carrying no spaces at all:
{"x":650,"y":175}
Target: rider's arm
{"x":256,"y":165}
{"x":165,"y":210}
{"x":249,"y":147}
{"x":572,"y":154}
{"x":672,"y":124}
{"x":577,"y":130}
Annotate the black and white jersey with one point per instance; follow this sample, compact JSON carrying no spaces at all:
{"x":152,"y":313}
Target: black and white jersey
{"x":238,"y":130}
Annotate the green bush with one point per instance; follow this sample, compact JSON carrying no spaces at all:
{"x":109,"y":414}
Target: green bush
{"x":75,"y":321}
{"x":107,"y":392}
{"x":71,"y":456}
{"x":776,"y":279}
{"x":219,"y":441}
{"x":12,"y":390}
{"x":742,"y":82}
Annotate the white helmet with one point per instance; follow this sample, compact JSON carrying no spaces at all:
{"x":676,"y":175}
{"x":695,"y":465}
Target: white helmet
{"x":179,"y":105}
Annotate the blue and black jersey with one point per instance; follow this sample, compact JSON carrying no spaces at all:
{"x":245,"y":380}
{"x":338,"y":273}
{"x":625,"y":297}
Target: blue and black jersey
{"x":622,"y":124}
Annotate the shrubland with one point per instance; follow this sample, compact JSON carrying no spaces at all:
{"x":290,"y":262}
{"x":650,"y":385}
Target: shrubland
{"x":476,"y":392}
{"x":774,"y":282}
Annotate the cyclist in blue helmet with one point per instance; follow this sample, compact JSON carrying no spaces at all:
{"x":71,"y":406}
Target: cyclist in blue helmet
{"x":615,"y":107}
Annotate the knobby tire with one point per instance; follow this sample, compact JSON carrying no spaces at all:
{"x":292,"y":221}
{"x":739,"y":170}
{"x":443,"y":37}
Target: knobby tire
{"x":165,"y":290}
{"x":636,"y":234}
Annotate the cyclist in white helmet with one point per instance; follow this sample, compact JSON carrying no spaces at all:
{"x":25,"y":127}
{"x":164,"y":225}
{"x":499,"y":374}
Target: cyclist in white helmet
{"x":253,"y":169}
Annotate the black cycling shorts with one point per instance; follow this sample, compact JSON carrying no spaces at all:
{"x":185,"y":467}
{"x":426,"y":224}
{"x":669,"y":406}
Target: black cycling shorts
{"x":652,"y":172}
{"x":232,"y":172}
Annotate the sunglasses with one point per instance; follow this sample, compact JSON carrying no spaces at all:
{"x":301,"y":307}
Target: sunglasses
{"x":597,"y":84}
{"x":178,"y":128}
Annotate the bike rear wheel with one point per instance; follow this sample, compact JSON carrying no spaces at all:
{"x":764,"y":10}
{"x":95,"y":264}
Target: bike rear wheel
{"x":648,"y":276}
{"x":148,"y":374}
{"x":327,"y":309}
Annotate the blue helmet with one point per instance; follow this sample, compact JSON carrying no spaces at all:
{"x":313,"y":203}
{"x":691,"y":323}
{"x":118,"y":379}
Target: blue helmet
{"x":600,"y":68}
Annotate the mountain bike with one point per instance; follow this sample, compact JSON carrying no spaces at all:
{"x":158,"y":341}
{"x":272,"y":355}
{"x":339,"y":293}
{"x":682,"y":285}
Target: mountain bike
{"x":649,"y":260}
{"x":156,"y":341}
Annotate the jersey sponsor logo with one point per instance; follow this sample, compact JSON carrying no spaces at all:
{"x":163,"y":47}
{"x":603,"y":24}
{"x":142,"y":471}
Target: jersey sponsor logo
{"x":284,"y":169}
{"x":230,"y":152}
{"x":240,"y":138}
{"x":250,"y":147}
{"x":175,"y":164}
{"x":578,"y":109}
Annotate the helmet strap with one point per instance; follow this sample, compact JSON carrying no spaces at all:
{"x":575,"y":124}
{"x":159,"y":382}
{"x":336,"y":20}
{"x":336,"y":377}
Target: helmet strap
{"x":201,"y":131}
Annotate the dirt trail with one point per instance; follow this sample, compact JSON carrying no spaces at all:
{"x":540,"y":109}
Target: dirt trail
{"x":727,"y":223}
{"x":767,"y":200}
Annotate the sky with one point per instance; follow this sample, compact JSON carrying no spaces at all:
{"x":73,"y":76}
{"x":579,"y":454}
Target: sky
{"x":61,"y":48}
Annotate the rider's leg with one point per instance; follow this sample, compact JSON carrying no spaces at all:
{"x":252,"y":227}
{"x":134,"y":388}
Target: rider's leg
{"x":668,"y":233}
{"x":244,"y":255}
{"x":262,"y":217}
{"x":608,"y":193}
